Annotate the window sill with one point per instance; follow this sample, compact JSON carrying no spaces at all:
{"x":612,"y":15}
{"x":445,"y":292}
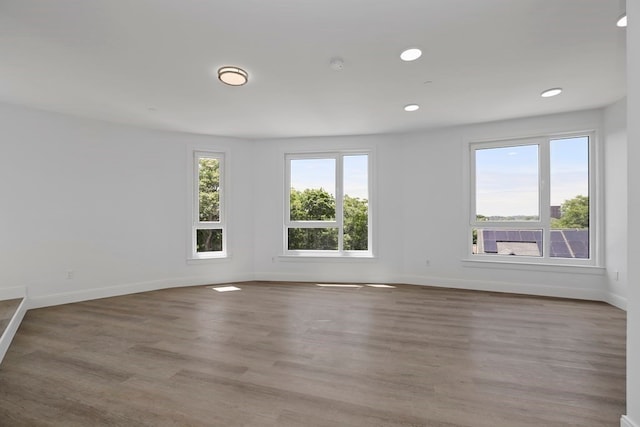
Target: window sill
{"x":534,"y":266}
{"x":207,"y":259}
{"x":315,"y":257}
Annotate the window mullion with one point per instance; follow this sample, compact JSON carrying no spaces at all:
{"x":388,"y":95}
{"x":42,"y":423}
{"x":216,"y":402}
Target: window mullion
{"x":340,"y":201}
{"x":473,"y":218}
{"x":545,"y":196}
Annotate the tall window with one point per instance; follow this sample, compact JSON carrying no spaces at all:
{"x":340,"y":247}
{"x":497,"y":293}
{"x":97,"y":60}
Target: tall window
{"x":533,"y":198}
{"x":327,"y":204}
{"x":208,"y":227}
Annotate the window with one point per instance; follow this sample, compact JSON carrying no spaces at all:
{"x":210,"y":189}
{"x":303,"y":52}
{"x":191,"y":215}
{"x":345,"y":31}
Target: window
{"x":208,"y":234}
{"x":327,"y":204}
{"x":533,"y":199}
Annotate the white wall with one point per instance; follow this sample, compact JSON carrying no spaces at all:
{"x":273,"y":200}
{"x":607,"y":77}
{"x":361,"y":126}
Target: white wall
{"x":615,"y":198}
{"x":435,"y":168}
{"x":108,"y":202}
{"x":633,"y":293}
{"x":269,"y":202}
{"x":421,"y":212}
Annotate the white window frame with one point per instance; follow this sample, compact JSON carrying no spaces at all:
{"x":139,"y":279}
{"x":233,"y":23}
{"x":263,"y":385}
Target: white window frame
{"x":544,"y":188}
{"x":195,"y":223}
{"x":338,"y":156}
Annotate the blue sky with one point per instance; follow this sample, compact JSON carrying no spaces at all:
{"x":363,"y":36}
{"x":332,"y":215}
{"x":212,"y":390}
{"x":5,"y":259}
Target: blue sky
{"x":507,"y":178}
{"x":320,"y":173}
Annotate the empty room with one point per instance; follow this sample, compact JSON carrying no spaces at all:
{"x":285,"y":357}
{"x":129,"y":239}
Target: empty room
{"x":319,"y":213}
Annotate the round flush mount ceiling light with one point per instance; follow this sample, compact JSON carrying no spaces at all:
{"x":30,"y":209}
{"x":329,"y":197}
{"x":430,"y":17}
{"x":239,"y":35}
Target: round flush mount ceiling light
{"x":411,"y":54}
{"x":622,"y":21}
{"x":411,"y":107}
{"x":233,"y":76}
{"x":551,"y":92}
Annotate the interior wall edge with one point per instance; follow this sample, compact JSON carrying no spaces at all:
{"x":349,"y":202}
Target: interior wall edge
{"x":12,"y":328}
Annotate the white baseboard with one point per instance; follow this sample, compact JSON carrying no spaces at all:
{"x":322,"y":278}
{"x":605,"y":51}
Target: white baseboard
{"x":66,"y":297}
{"x":616,"y":301}
{"x":12,"y":293}
{"x":508,"y":287}
{"x":12,"y":328}
{"x":321,"y":277}
{"x":625,"y":421}
{"x":125,"y":289}
{"x":444,"y":282}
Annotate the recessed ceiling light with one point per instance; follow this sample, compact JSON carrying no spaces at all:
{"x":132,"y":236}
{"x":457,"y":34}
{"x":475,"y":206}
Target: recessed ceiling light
{"x":551,"y":92}
{"x":233,"y":76}
{"x":411,"y":54}
{"x":622,"y":21}
{"x":411,"y":107}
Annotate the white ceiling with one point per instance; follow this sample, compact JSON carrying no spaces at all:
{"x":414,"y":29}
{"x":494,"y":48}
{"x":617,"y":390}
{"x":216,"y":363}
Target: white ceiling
{"x":152,"y":62}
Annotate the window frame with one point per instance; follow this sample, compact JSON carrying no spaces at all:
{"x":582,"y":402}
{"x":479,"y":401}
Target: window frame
{"x":194,"y":223}
{"x":544,"y":205}
{"x":338,"y":156}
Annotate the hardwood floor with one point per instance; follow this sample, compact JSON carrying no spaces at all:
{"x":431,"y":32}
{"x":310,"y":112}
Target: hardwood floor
{"x":282,"y":354}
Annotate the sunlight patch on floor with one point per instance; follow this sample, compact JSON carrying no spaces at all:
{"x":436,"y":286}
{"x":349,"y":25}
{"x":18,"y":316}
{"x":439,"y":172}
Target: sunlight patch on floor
{"x":336,"y":285}
{"x":226,"y":288}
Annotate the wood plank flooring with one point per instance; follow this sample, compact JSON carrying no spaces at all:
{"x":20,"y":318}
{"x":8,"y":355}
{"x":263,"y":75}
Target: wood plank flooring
{"x":295,"y":354}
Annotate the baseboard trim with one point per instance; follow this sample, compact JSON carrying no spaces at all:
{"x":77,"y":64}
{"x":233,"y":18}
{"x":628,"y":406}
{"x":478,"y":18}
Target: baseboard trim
{"x":12,"y":293}
{"x":12,"y":328}
{"x":57,"y":298}
{"x":625,"y":421}
{"x":506,"y":287}
{"x":478,"y":285}
{"x":126,"y":289}
{"x":321,"y":277}
{"x":616,"y":300}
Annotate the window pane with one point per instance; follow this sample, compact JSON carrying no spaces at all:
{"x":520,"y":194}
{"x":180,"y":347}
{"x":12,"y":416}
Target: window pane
{"x":208,"y":240}
{"x":507,"y":183}
{"x":318,"y":239}
{"x":209,"y":189}
{"x":356,"y":203}
{"x":569,"y":197}
{"x":507,"y":242}
{"x":313,"y":189}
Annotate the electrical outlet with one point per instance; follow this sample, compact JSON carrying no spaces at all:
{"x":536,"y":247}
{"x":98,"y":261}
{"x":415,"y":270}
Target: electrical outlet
{"x":427,"y":263}
{"x":70,"y":274}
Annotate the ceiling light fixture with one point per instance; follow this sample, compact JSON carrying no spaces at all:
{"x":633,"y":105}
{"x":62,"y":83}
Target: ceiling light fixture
{"x":411,"y":107}
{"x":233,"y":76}
{"x":551,"y":92}
{"x":622,"y":21}
{"x":411,"y":54}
